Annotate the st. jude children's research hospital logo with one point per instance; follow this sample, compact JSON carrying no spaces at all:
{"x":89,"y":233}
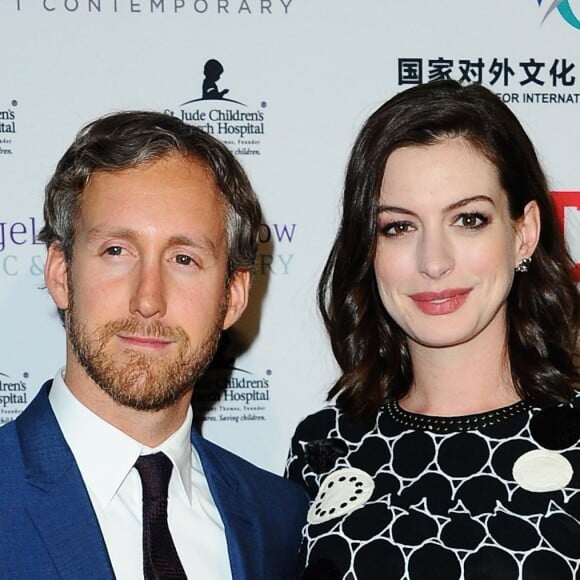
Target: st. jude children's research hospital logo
{"x":7,"y":128}
{"x":228,"y":392}
{"x":564,"y":8}
{"x":220,"y":112}
{"x":13,"y":396}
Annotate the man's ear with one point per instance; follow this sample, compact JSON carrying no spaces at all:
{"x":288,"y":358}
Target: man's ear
{"x":528,"y":231}
{"x":56,"y":275}
{"x":238,"y":293}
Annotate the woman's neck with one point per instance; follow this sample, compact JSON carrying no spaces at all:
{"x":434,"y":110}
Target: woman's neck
{"x":459,"y":380}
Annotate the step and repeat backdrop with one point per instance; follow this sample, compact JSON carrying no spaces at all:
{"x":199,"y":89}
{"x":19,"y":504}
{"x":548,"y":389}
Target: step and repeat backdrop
{"x":301,"y":76}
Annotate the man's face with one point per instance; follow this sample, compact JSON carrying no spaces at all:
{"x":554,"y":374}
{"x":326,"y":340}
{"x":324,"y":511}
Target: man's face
{"x":146,"y":290}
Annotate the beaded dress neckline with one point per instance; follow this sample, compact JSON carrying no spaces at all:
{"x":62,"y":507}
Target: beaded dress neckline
{"x":457,"y":423}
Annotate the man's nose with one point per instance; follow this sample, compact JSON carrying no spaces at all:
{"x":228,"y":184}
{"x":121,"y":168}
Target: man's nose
{"x":148,"y":296}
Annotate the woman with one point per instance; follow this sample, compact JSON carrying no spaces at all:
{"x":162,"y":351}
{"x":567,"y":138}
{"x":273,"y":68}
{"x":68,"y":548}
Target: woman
{"x":452,"y":448}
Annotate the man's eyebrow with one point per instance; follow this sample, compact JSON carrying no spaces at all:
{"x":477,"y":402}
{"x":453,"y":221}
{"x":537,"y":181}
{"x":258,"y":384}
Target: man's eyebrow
{"x":451,"y":207}
{"x":118,"y":232}
{"x":202,"y":243}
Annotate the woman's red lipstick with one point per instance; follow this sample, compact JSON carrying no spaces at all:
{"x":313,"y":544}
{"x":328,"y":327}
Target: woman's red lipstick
{"x":438,"y":303}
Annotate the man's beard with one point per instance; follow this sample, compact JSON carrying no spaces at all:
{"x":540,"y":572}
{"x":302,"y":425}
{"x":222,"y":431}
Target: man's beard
{"x":141,"y":382}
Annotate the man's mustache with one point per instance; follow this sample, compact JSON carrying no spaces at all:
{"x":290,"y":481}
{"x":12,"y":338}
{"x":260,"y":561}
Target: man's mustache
{"x":150,"y":329}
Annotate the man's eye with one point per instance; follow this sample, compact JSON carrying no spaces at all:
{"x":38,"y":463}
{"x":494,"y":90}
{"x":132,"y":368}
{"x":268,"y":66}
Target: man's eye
{"x":184,"y":260}
{"x":114,"y":251}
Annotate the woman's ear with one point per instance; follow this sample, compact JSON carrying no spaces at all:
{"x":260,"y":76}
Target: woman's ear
{"x":528,"y":228}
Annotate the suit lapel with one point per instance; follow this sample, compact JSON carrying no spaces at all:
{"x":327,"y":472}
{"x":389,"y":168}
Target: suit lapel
{"x":244,"y":540}
{"x":58,"y":502}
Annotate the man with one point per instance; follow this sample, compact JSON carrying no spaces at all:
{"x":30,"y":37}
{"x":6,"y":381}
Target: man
{"x":151,"y":227}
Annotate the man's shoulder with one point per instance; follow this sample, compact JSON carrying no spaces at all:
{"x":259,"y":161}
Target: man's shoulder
{"x":18,"y":437}
{"x":27,"y":420}
{"x":250,"y":476}
{"x":8,"y":441}
{"x":275,"y":507}
{"x":231,"y":460}
{"x":12,"y":474}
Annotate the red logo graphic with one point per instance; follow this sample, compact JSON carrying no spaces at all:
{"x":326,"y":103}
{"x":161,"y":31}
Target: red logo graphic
{"x":567,"y":204}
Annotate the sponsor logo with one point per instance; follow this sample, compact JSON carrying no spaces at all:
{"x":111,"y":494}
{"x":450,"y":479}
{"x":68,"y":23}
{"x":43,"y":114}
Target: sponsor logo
{"x":7,"y":128}
{"x":18,"y":241}
{"x":274,"y":255}
{"x":561,"y":7}
{"x":567,"y":204}
{"x":156,"y":7}
{"x":221,"y":113}
{"x":13,"y":396}
{"x":212,"y":71}
{"x":228,"y":392}
{"x":516,"y":80}
{"x":19,"y":248}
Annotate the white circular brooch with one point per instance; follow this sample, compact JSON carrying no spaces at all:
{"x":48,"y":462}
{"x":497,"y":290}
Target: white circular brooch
{"x":541,"y":470}
{"x":341,"y":492}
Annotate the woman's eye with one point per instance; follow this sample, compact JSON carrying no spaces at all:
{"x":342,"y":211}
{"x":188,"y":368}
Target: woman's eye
{"x":394,"y":229}
{"x":471,"y":221}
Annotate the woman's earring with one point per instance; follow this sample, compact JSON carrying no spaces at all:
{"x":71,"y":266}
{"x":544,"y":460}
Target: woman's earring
{"x":524,"y":265}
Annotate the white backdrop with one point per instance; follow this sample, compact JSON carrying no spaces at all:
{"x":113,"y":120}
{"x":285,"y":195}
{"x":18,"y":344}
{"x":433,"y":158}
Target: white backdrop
{"x":302,"y":77}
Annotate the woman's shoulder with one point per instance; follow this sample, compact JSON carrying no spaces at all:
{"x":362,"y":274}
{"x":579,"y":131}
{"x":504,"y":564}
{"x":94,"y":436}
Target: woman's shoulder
{"x":556,"y":425}
{"x":331,"y":422}
{"x":320,"y":439}
{"x":571,"y":407}
{"x":318,"y":424}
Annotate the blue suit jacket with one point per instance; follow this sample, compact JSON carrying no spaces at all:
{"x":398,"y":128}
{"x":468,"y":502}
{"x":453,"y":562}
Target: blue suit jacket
{"x":48,"y":528}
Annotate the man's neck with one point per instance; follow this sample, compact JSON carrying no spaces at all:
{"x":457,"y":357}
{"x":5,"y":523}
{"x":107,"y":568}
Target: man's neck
{"x":150,"y":428}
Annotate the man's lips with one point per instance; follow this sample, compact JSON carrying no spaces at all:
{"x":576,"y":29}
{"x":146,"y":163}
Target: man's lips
{"x":442,"y":302}
{"x":145,"y":341}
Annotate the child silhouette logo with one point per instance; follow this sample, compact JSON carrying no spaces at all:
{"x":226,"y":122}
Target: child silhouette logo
{"x":212,"y":70}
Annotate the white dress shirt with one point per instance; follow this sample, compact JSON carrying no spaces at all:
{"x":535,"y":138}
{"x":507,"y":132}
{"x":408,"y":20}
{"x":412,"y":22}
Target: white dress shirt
{"x":106,"y":456}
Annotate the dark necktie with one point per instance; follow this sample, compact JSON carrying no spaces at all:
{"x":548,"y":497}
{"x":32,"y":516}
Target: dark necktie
{"x":160,"y":559}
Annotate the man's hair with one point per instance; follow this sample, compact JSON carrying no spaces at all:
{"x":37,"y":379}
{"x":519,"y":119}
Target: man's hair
{"x":129,"y":139}
{"x":543,"y":309}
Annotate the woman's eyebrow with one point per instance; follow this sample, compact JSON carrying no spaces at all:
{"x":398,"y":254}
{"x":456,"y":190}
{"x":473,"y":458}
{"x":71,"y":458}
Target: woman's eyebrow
{"x":455,"y":205}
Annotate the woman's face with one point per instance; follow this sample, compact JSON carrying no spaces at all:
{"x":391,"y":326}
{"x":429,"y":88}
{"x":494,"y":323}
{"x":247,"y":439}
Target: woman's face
{"x":447,"y":247}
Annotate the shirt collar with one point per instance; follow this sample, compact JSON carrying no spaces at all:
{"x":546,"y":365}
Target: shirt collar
{"x":104,"y":454}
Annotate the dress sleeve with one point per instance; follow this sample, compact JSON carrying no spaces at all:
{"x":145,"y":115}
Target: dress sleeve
{"x":296,"y":465}
{"x":310,"y":446}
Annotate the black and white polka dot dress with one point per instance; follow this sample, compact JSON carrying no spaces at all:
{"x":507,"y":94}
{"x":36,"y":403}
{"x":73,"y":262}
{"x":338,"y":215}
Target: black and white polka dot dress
{"x":494,"y":496}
